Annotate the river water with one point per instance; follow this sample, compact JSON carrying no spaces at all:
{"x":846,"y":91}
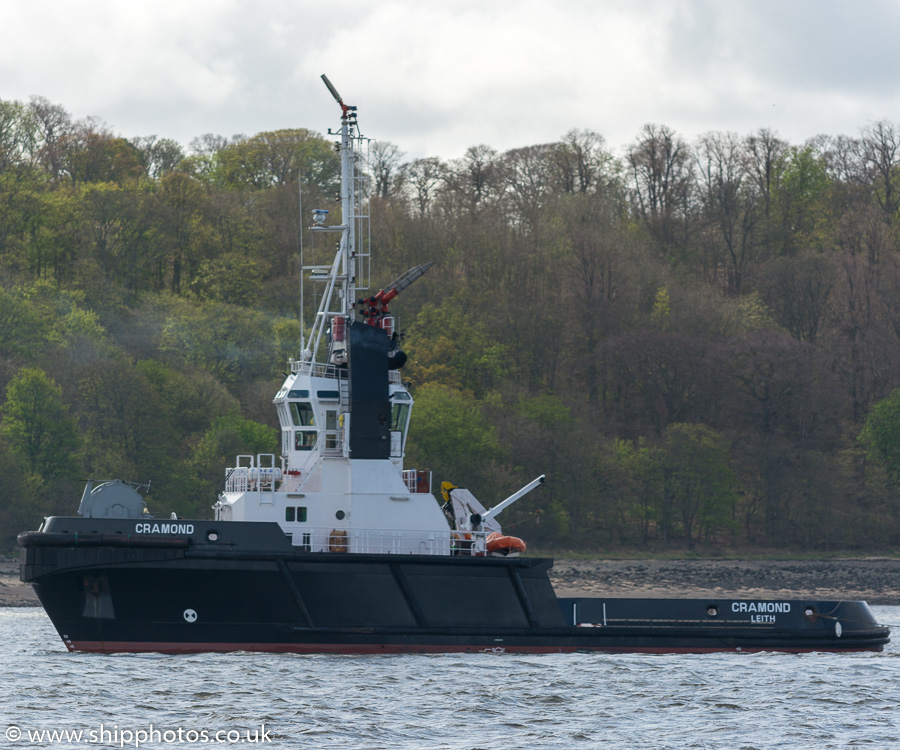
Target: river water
{"x":441,"y":702}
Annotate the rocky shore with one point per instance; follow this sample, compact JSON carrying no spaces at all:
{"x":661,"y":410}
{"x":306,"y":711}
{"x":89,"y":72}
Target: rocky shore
{"x":876,"y":580}
{"x":14,"y":593}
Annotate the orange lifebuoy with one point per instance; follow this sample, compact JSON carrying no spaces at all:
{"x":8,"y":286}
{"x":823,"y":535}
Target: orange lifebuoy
{"x":504,"y":545}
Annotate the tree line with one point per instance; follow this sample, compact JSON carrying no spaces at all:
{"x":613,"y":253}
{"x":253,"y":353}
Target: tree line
{"x":697,"y":342}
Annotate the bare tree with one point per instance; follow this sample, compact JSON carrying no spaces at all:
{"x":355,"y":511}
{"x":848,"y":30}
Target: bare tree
{"x":662,"y":176}
{"x":879,"y":158}
{"x":528,"y":177}
{"x":384,"y":163}
{"x":55,"y":124}
{"x":475,"y":178}
{"x":730,"y":203}
{"x":423,"y":176}
{"x":582,"y":161}
{"x":798,"y":290}
{"x":765,"y":152}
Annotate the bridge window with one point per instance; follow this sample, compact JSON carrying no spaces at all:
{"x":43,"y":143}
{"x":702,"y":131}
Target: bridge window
{"x":399,"y":417}
{"x":305,"y":440}
{"x":302,"y":414}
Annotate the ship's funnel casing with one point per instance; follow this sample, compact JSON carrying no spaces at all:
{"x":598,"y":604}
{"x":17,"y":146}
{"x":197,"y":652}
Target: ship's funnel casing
{"x":370,"y":405}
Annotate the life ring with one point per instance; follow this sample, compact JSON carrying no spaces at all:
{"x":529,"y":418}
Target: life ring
{"x":498,"y":544}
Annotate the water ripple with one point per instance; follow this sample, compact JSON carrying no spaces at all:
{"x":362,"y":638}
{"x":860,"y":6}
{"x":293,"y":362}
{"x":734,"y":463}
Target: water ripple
{"x":458,"y":702}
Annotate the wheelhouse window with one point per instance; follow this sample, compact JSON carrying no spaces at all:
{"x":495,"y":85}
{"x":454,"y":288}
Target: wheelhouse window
{"x":399,"y":417}
{"x":302,"y":414}
{"x":399,"y":420}
{"x":305,"y":440}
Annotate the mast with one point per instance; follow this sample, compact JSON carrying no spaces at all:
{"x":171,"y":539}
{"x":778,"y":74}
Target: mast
{"x":341,"y":276}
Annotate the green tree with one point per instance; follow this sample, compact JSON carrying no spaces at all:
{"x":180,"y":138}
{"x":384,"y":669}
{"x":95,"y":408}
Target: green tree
{"x":801,"y":190}
{"x":187,"y":235}
{"x":276,"y":158}
{"x":57,"y":237}
{"x":232,"y":277}
{"x":19,"y":509}
{"x":192,"y":400}
{"x":22,"y":329}
{"x":37,"y":425}
{"x":158,"y":155}
{"x":699,"y":479}
{"x":449,"y":345}
{"x":634,"y":478}
{"x":62,"y":317}
{"x":19,"y":135}
{"x":128,"y":434}
{"x":228,"y":341}
{"x":227,"y":437}
{"x":450,"y":434}
{"x":90,"y":154}
{"x":881,"y":436}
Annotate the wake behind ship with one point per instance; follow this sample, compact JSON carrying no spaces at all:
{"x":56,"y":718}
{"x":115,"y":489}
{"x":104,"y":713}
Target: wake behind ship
{"x":335,"y":546}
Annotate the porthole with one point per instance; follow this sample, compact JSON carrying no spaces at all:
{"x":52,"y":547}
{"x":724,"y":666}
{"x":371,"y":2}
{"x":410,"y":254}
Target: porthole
{"x":340,"y":515}
{"x":212,"y":536}
{"x":712,"y":611}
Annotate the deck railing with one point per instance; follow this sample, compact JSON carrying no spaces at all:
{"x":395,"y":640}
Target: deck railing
{"x":386,"y":541}
{"x":320,"y":370}
{"x":416,"y":481}
{"x":260,"y":474}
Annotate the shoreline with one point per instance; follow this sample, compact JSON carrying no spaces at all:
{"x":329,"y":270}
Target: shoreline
{"x":874,"y":580}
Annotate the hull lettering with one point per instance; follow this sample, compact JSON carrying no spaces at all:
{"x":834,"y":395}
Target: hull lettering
{"x":164,"y":528}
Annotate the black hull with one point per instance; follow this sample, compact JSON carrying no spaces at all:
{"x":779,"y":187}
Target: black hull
{"x":110,"y":592}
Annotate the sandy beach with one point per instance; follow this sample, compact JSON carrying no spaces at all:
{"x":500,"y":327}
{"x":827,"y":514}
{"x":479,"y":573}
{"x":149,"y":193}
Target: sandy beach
{"x":876,"y":580}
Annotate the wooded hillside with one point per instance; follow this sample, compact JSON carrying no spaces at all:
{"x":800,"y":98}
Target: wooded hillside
{"x":698,"y":343}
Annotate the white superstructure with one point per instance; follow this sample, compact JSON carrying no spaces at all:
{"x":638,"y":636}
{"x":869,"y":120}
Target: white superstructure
{"x":340,"y":484}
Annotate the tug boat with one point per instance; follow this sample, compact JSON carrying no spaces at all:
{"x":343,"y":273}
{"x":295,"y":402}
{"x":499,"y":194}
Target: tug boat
{"x":335,"y":547}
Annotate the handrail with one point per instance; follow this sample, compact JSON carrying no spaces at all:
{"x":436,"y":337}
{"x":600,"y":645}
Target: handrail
{"x":386,"y":541}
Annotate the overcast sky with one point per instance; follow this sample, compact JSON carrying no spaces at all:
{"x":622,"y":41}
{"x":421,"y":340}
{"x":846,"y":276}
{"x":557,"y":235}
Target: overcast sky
{"x":438,"y":76}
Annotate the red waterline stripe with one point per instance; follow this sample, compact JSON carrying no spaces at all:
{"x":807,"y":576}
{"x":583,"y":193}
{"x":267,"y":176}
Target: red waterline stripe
{"x":112,"y":647}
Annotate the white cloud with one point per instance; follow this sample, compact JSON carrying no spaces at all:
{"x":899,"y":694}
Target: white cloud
{"x":438,"y":77}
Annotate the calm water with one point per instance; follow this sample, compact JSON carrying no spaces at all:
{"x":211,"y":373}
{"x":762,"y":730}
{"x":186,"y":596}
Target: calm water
{"x":464,"y":702}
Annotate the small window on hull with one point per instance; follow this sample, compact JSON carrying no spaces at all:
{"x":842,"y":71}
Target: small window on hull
{"x":293,"y":514}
